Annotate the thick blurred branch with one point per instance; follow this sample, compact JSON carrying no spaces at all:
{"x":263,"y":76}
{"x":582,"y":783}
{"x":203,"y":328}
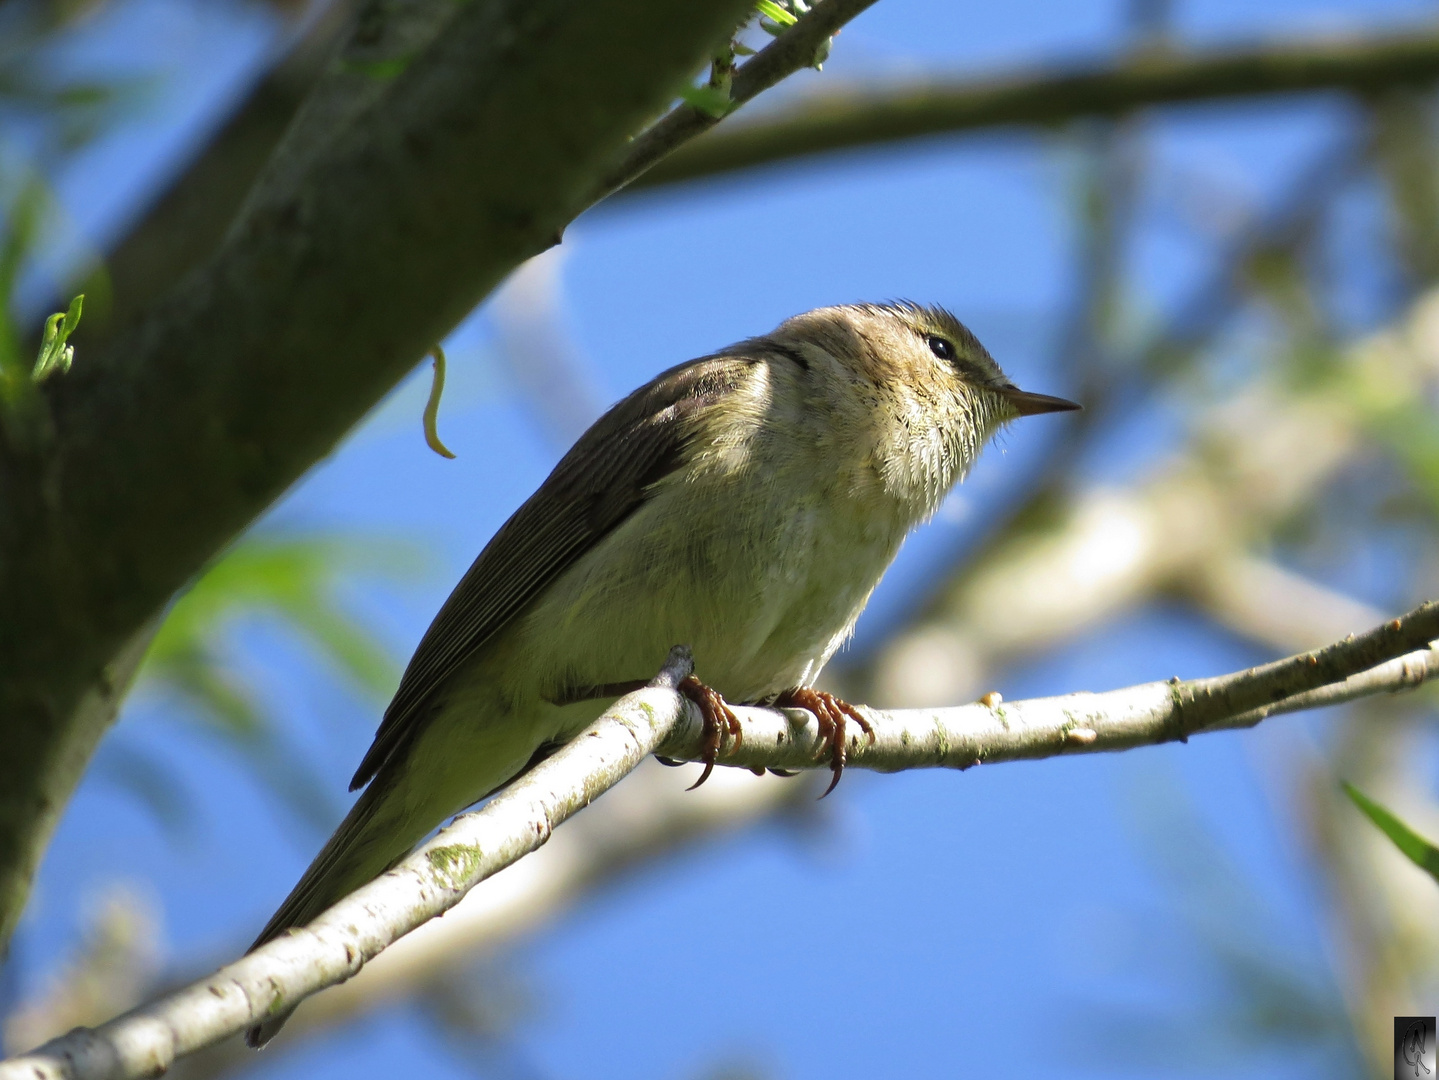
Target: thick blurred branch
{"x":183,"y":225}
{"x":877,"y":115}
{"x":352,"y":257}
{"x":1272,"y":605}
{"x":794,"y":49}
{"x":334,"y":947}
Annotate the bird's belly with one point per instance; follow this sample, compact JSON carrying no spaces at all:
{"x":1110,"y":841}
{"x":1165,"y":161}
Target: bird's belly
{"x":763,"y":599}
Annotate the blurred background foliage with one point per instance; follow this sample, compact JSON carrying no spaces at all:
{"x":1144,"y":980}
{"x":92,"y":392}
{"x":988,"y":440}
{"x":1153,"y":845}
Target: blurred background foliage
{"x":1256,"y":472}
{"x":193,"y":667}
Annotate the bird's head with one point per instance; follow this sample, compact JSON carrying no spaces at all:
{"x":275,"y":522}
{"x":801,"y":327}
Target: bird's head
{"x":916,"y":379}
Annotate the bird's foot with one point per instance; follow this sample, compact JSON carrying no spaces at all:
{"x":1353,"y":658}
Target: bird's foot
{"x":718,"y":721}
{"x":831,"y":712}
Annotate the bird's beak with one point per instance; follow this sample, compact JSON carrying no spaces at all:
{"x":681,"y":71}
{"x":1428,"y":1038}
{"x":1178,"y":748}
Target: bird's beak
{"x":1027,"y":404}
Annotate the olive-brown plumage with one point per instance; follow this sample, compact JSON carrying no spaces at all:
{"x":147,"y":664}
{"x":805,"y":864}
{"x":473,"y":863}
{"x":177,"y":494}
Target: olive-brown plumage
{"x":745,"y":504}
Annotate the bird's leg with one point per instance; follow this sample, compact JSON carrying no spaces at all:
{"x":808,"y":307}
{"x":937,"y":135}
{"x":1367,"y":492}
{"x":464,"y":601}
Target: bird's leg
{"x":718,"y":719}
{"x":830,"y":711}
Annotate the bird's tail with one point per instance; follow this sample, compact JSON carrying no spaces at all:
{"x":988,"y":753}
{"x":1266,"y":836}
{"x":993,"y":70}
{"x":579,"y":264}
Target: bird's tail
{"x":370,"y":840}
{"x":463,"y":754}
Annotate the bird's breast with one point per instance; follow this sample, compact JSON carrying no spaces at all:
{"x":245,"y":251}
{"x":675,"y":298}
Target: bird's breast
{"x":761,"y":570}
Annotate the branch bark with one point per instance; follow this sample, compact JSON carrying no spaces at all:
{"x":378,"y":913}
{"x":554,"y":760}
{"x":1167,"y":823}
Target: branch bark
{"x":187,"y":219}
{"x":335,"y":946}
{"x":871,"y":116}
{"x":648,"y":818}
{"x":1391,"y":657}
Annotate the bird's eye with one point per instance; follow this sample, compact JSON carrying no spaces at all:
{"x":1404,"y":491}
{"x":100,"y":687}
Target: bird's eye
{"x":941,"y":347}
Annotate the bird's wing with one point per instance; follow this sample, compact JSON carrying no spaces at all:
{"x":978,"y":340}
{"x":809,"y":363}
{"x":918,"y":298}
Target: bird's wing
{"x":604,"y":478}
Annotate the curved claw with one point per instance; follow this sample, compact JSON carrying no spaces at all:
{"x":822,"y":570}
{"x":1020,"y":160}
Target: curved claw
{"x":718,"y":722}
{"x":830,"y":712}
{"x":709,"y":768}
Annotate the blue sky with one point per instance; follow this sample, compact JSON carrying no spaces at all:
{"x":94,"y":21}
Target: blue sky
{"x":949,"y":923}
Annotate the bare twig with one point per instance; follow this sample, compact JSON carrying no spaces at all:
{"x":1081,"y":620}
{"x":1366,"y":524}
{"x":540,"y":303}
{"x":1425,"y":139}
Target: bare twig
{"x":869,"y":116}
{"x":1394,"y":656}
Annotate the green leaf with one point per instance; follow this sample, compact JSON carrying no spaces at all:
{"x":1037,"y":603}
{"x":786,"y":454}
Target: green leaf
{"x":772,"y":11}
{"x":294,"y":579}
{"x":1420,"y":851}
{"x":710,"y":100}
{"x":55,"y":355}
{"x":379,"y":70}
{"x":294,"y":583}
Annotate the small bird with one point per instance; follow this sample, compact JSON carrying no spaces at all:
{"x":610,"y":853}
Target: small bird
{"x":745,"y":504}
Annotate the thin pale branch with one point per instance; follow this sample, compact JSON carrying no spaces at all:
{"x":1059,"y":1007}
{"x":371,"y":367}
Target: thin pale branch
{"x":1394,"y":656}
{"x":334,"y":947}
{"x":871,"y":116}
{"x":647,"y":819}
{"x":145,"y":1041}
